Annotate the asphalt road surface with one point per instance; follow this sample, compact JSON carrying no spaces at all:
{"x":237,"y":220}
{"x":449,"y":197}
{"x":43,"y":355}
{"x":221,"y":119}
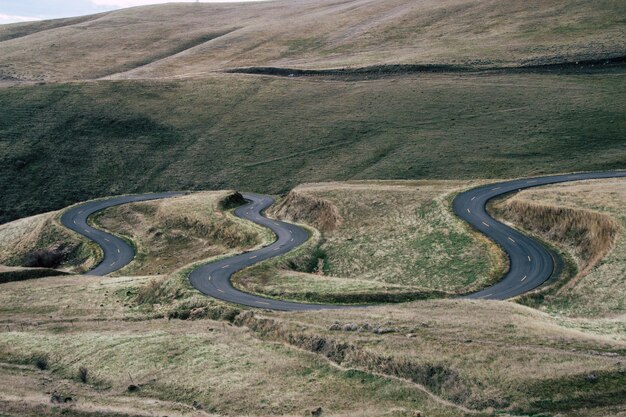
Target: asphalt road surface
{"x":117,"y":253}
{"x":214,"y":279}
{"x":531,"y":264}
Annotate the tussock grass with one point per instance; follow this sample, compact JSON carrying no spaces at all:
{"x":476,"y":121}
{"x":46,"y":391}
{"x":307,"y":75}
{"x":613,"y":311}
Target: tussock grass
{"x":500,"y":352}
{"x":480,"y":355}
{"x":591,"y":235}
{"x":178,"y":364}
{"x":434,"y":377}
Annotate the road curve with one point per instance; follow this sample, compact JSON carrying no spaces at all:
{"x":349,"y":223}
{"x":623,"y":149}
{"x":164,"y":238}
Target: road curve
{"x":531,"y":264}
{"x":214,"y":279}
{"x":117,"y":253}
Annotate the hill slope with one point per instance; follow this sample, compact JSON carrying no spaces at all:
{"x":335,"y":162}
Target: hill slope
{"x":65,"y":143}
{"x":187,"y":39}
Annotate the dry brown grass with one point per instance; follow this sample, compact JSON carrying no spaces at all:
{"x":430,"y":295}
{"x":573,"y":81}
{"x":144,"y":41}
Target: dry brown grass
{"x":190,"y":39}
{"x":301,"y":207}
{"x":225,"y":369}
{"x":481,"y":354}
{"x":474,"y":354}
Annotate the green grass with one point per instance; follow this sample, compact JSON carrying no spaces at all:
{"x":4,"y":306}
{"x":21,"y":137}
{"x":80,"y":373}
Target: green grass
{"x":79,"y":141}
{"x":393,"y":241}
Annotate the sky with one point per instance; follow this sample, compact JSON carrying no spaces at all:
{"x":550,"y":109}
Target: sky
{"x":12,"y":11}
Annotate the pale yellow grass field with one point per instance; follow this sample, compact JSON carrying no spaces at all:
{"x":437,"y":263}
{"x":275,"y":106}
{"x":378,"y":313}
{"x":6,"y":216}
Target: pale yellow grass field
{"x":91,"y":322}
{"x":194,"y":39}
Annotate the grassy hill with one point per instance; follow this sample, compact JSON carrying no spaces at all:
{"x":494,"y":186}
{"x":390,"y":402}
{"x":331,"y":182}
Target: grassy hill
{"x":191,"y":39}
{"x":174,"y":119}
{"x":63,"y":143}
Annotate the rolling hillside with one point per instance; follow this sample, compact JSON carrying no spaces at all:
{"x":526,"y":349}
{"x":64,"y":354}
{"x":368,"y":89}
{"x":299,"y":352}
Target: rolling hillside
{"x":194,"y":39}
{"x":188,"y":124}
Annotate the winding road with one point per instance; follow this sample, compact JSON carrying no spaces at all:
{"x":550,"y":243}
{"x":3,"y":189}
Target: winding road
{"x":531,"y":264}
{"x":117,"y":253}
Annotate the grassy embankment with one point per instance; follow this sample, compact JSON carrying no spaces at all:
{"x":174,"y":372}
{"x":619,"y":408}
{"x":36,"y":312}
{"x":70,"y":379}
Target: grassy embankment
{"x":42,"y":242}
{"x":478,"y":355}
{"x":585,"y":219}
{"x":382,"y":241}
{"x":481,"y":355}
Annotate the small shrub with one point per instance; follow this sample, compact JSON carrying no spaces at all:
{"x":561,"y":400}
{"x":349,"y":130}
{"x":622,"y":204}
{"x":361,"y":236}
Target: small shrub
{"x":45,"y":258}
{"x":83,"y":374}
{"x":41,"y":362}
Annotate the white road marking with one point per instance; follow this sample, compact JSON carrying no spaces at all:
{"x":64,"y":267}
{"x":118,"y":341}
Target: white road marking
{"x":107,"y":239}
{"x":525,"y":276}
{"x":486,"y":224}
{"x":497,"y":188}
{"x":262,"y":302}
{"x":276,"y":248}
{"x":531,"y":181}
{"x":225,"y":266}
{"x":291,"y":240}
{"x":75,"y":222}
{"x":252,"y":257}
{"x":468,"y":210}
{"x":118,"y":250}
{"x":528,"y":258}
{"x":485,"y":296}
{"x":220,"y":290}
{"x":209,"y":277}
{"x":473,"y":198}
{"x":511,"y":239}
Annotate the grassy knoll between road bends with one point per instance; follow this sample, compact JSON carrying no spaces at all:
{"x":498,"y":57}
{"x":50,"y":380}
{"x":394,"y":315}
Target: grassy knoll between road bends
{"x":381,"y":241}
{"x":587,"y":220}
{"x":42,"y":242}
{"x":171,"y":233}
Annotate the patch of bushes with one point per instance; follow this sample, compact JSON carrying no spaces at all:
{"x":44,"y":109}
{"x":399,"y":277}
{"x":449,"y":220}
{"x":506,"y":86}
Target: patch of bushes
{"x":232,"y":201}
{"x":41,"y":362}
{"x":83,"y":374}
{"x":45,"y":258}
